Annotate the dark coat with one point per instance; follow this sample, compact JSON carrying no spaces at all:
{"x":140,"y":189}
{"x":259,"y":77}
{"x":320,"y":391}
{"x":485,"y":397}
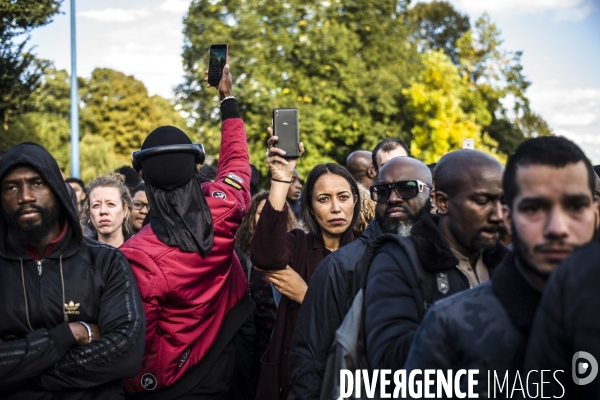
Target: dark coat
{"x":393,"y":297}
{"x":485,"y":328}
{"x":328,"y":299}
{"x":273,"y":249}
{"x":77,"y":279}
{"x":567,"y":322}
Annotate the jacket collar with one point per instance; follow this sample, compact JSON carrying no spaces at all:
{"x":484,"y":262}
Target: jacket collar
{"x":373,"y":230}
{"x":519,"y":299}
{"x":434,"y":251}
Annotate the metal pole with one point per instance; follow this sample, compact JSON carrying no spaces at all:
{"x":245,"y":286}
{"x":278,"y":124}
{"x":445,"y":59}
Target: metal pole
{"x":74,"y":100}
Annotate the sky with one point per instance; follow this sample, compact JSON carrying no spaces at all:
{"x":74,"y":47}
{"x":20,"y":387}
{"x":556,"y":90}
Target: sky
{"x":560,"y":41}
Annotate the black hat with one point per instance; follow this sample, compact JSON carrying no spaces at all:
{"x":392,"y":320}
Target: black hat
{"x":168,"y":171}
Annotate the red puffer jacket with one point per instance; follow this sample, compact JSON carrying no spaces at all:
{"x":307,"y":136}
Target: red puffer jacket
{"x":186,"y":297}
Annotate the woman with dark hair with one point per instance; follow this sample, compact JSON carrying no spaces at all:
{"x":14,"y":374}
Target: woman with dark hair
{"x":140,"y":207}
{"x":329,"y":209}
{"x":260,"y":289}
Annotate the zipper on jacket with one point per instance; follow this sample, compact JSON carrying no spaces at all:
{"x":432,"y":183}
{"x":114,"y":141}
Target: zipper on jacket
{"x":39,"y":265}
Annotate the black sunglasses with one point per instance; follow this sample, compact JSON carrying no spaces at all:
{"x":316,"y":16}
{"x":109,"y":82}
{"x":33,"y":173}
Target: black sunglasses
{"x":404,"y":190}
{"x":139,"y":205}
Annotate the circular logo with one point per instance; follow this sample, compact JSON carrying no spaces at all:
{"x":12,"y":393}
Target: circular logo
{"x":581,"y":368}
{"x":219,"y":195}
{"x":148,"y":381}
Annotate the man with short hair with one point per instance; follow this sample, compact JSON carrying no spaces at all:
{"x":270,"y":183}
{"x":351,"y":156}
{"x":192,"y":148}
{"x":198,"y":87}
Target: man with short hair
{"x":294,"y":192}
{"x":388,"y":149}
{"x":548,"y":186}
{"x":72,"y":323}
{"x":456,"y":250}
{"x":359,"y":164}
{"x":403,"y":196}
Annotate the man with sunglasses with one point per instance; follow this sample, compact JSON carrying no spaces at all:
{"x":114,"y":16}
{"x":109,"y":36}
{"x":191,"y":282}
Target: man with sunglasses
{"x":402,"y":191}
{"x":448,"y":253}
{"x":550,"y":212}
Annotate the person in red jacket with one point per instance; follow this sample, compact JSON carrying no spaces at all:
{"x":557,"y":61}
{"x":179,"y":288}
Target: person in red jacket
{"x":192,"y":285}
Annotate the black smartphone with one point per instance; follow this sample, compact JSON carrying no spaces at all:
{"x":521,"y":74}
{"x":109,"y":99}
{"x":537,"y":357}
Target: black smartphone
{"x":217,"y":58}
{"x":287,"y":129}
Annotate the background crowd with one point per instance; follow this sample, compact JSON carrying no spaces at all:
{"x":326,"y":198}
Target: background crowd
{"x":186,"y":276}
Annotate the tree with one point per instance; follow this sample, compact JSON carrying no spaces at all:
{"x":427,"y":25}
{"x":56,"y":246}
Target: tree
{"x":498,"y":76}
{"x":116,"y":115}
{"x":438,"y":26}
{"x":20,"y":71}
{"x":343,"y":64}
{"x":495,"y":75}
{"x":437,"y":100}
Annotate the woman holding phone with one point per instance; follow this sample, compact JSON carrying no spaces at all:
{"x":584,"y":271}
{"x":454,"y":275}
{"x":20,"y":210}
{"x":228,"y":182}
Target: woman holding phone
{"x":330,"y":206}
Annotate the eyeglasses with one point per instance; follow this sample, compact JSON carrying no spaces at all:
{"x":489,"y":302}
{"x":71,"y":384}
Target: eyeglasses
{"x":139,"y":205}
{"x":404,"y":190}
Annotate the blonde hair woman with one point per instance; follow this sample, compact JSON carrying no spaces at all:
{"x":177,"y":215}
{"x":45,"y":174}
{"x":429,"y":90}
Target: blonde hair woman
{"x":108,"y":207}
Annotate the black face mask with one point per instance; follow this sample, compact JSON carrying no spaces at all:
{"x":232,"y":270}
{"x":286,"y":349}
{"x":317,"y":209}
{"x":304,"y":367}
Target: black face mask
{"x":33,"y":233}
{"x":181,"y":216}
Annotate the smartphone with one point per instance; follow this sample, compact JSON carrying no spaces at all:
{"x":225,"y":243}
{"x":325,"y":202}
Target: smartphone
{"x":468,"y":143}
{"x":217,"y":58}
{"x":287,"y":129}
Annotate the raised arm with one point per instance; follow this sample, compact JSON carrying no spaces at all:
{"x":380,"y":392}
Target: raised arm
{"x":270,"y":247}
{"x":234,"y":160}
{"x":281,"y":169}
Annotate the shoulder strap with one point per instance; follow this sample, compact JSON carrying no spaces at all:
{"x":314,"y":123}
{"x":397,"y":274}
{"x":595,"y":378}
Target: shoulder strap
{"x":424,"y":277}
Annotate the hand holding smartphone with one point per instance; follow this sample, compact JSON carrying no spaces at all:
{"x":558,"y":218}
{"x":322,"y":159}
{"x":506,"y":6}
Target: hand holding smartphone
{"x":287,"y":129}
{"x":217,"y":58}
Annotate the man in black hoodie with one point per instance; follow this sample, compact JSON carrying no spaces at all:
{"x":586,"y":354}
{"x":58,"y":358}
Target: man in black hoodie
{"x":340,"y":275}
{"x":72,"y":320}
{"x":550,"y":212}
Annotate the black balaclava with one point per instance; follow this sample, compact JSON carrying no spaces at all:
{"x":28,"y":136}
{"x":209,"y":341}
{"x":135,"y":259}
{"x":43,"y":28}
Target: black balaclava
{"x":179,"y":213}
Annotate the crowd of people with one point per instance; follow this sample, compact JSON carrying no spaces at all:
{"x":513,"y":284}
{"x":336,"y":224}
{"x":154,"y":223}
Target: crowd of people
{"x":163,"y":280}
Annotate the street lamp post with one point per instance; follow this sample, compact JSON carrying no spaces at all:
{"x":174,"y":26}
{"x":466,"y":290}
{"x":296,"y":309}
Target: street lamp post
{"x":74,"y":100}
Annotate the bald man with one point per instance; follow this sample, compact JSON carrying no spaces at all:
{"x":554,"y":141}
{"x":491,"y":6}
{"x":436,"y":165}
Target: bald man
{"x":456,"y":250}
{"x":360,"y":165}
{"x":402,"y":192}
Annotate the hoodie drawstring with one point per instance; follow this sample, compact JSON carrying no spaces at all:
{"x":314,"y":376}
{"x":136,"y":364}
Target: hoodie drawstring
{"x":62,"y":282}
{"x":25,"y":294}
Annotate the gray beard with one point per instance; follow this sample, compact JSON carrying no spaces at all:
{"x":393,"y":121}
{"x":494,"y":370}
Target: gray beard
{"x":404,"y":229}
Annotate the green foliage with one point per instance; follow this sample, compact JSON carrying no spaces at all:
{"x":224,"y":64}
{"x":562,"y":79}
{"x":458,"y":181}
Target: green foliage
{"x":498,"y":77}
{"x":438,"y":26}
{"x":116,"y":115}
{"x":437,"y":100}
{"x":20,"y":71}
{"x":21,"y":16}
{"x":342,"y":64}
{"x":358,"y":71}
{"x":122,"y":111}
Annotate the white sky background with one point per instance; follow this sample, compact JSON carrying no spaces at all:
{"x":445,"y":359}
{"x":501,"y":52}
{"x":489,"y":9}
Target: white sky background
{"x":560,"y":40}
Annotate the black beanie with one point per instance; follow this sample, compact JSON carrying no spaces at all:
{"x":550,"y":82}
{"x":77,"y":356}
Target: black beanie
{"x":168,"y":171}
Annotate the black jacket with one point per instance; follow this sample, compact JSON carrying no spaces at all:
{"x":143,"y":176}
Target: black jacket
{"x":566,"y":323}
{"x":485,"y":328}
{"x":328,"y":299}
{"x":39,"y":357}
{"x":393,"y":297}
